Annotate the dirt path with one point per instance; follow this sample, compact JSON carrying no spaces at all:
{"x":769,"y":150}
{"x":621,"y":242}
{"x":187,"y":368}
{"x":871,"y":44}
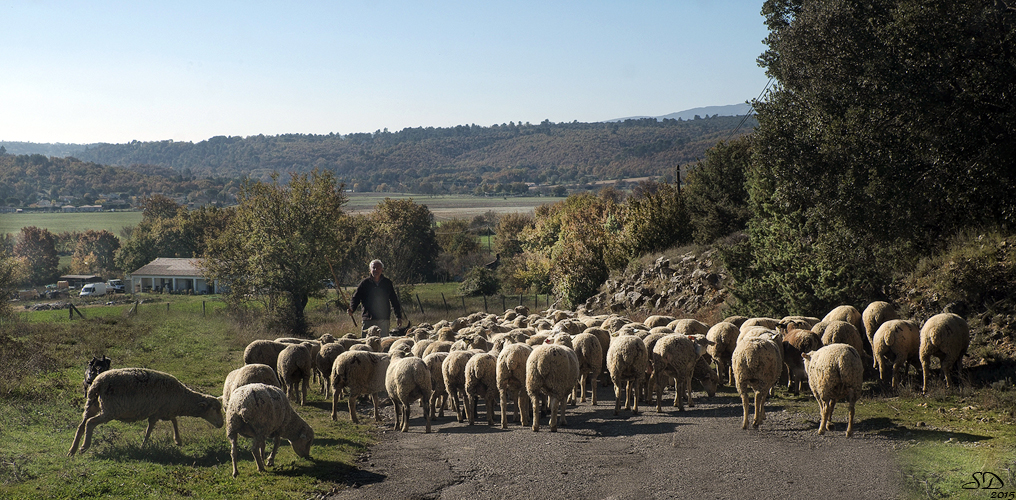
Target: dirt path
{"x":700,"y":453}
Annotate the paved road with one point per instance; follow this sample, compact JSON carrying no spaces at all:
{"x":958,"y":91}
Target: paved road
{"x":700,"y":453}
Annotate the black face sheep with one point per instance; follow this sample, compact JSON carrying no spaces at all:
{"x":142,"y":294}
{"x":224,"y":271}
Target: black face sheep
{"x":896,"y":344}
{"x":260,"y":412}
{"x":724,"y":337}
{"x":834,"y":372}
{"x":363,"y":373}
{"x":552,"y":371}
{"x":454,"y":371}
{"x":511,"y":380}
{"x":481,"y":382}
{"x":132,"y":394}
{"x":95,"y":366}
{"x":874,"y":315}
{"x":758,"y":362}
{"x":408,"y":380}
{"x":627,"y":362}
{"x":248,"y":374}
{"x":591,"y":356}
{"x":945,"y":336}
{"x":434,"y":361}
{"x":323,"y":364}
{"x":675,"y":356}
{"x":295,"y":369}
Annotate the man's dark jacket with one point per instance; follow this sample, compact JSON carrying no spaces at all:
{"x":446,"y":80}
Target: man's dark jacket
{"x":376,"y":298}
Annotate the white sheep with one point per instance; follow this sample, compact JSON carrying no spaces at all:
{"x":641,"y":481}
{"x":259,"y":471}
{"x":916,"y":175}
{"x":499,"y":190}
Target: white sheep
{"x":796,"y":342}
{"x":850,"y":314}
{"x":874,"y":315}
{"x":261,"y":411}
{"x":132,"y":394}
{"x":363,"y":373}
{"x":409,"y":379}
{"x":248,"y":374}
{"x":434,"y":361}
{"x":842,"y":332}
{"x":295,"y":369}
{"x":896,"y":344}
{"x":323,"y":363}
{"x":552,"y":371}
{"x":945,"y":336}
{"x":657,"y":320}
{"x":481,"y":382}
{"x":511,"y":380}
{"x":265,"y":352}
{"x":454,"y":371}
{"x":758,"y":362}
{"x":724,"y":337}
{"x":688,"y":326}
{"x":675,"y":356}
{"x":590,"y":355}
{"x":834,"y":372}
{"x":627,"y":362}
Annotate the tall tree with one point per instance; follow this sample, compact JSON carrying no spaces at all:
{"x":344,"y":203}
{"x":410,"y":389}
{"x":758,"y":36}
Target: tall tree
{"x":37,"y":248}
{"x":94,"y":252}
{"x":401,"y":234}
{"x":12,"y":274}
{"x":279,"y":243}
{"x":715,"y":194}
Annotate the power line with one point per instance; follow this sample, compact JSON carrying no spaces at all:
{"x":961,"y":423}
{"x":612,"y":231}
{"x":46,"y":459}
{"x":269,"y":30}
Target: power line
{"x":750,"y":111}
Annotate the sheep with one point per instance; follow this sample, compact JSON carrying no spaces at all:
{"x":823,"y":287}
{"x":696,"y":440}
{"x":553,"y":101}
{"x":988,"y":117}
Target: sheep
{"x":454,"y":371}
{"x":262,"y":411}
{"x":552,"y":371}
{"x":654,"y":321}
{"x":724,"y":337}
{"x":834,"y":372}
{"x":95,"y":366}
{"x":481,"y":381}
{"x":295,"y":369}
{"x":132,"y":394}
{"x":795,"y":343}
{"x":947,"y":337}
{"x":363,"y":372}
{"x":842,"y":332}
{"x":627,"y":362}
{"x":590,"y":355}
{"x":511,"y":379}
{"x":896,"y":343}
{"x":874,"y":315}
{"x":248,"y":374}
{"x":735,"y":320}
{"x":397,"y":344}
{"x":850,"y":314}
{"x":437,"y":346}
{"x":409,"y":379}
{"x":265,"y":352}
{"x":434,"y":361}
{"x":706,"y":376}
{"x":769,"y":323}
{"x":420,"y":346}
{"x":675,"y":356}
{"x":689,"y":327}
{"x":649,"y":382}
{"x":758,"y":362}
{"x":324,"y":361}
{"x":804,"y":321}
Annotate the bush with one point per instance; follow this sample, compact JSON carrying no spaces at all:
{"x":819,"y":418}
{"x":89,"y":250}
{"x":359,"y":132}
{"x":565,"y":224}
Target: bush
{"x":480,"y":281}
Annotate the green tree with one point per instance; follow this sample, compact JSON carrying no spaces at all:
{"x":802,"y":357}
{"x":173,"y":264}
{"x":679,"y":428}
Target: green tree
{"x":95,"y":252}
{"x":401,"y":234}
{"x":714,"y":192}
{"x":456,"y":239}
{"x":12,"y":274}
{"x":279,"y":243}
{"x":37,"y":249}
{"x":508,"y":233}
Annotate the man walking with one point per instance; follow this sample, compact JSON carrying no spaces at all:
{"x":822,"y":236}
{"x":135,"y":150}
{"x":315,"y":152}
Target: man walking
{"x":378,"y":296}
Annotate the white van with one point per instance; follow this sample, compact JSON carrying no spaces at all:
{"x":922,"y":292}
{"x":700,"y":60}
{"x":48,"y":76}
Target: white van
{"x":93,"y":290}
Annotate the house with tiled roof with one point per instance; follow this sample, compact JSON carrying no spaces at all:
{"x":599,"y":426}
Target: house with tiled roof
{"x":166,"y":274}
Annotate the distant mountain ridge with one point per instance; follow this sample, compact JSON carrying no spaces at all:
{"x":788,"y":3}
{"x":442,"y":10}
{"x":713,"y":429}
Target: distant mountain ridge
{"x":689,"y":114}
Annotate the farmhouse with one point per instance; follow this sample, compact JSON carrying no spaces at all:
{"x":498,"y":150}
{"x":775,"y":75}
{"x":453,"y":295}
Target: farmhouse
{"x":171,"y":275}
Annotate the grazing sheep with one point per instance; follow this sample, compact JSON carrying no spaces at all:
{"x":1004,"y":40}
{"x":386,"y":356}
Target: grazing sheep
{"x":590,"y":355}
{"x":324,"y":361}
{"x":654,"y":321}
{"x":420,"y":346}
{"x":454,"y":371}
{"x":675,"y":356}
{"x":363,"y":372}
{"x":295,"y":369}
{"x":795,"y":343}
{"x":834,"y":372}
{"x":511,"y":380}
{"x":896,"y":344}
{"x":842,"y":332}
{"x":768,"y":323}
{"x":434,"y":361}
{"x":758,"y":362}
{"x":689,"y":327}
{"x":850,"y":314}
{"x":261,"y":411}
{"x":132,"y":394}
{"x":945,"y":336}
{"x":627,"y":362}
{"x":265,"y":352}
{"x":248,"y":374}
{"x":95,"y":366}
{"x":802,"y":321}
{"x":706,"y":376}
{"x":874,"y":315}
{"x":481,"y":382}
{"x":552,"y":371}
{"x":409,"y":379}
{"x":724,"y":337}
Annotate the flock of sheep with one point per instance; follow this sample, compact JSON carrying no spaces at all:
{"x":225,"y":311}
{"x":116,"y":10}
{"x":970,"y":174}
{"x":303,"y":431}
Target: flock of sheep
{"x":538,"y":363}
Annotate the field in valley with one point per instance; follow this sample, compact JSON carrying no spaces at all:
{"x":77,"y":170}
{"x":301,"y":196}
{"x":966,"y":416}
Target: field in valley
{"x":59,"y":222}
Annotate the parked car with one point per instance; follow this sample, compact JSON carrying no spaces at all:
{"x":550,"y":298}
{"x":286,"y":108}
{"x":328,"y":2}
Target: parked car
{"x":93,"y":290}
{"x":116,"y":286}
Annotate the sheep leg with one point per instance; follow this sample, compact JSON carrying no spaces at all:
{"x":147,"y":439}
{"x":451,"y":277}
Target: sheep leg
{"x":470,"y":408}
{"x":523,"y":407}
{"x":687,"y":387}
{"x":564,"y":419}
{"x":554,"y":404}
{"x":635,"y":399}
{"x":745,"y":403}
{"x":456,"y":405}
{"x":275,"y":448}
{"x":582,"y":387}
{"x":306,"y":383}
{"x":659,"y":395}
{"x":949,"y":363}
{"x":850,"y":415}
{"x":489,"y":401}
{"x":234,"y":453}
{"x":89,"y":425}
{"x":760,"y":407}
{"x":377,"y":407}
{"x":151,"y":425}
{"x":617,"y":398}
{"x":925,"y":366}
{"x":592,"y":387}
{"x":352,"y":408}
{"x":504,"y":407}
{"x":335,"y":405}
{"x":536,"y":411}
{"x":427,"y":413}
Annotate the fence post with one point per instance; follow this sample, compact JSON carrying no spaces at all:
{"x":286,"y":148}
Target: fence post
{"x":167,"y":306}
{"x":419,"y":303}
{"x":485,"y":304}
{"x":464,"y":305}
{"x":520,"y":299}
{"x":504,"y":306}
{"x":202,"y":308}
{"x":448,"y":310}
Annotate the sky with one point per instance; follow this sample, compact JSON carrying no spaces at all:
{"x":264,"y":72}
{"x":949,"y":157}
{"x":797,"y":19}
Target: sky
{"x":85,"y":72}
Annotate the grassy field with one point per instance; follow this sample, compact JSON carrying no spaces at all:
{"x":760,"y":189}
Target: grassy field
{"x":452,"y":207}
{"x":942,"y":438}
{"x":60,"y":222}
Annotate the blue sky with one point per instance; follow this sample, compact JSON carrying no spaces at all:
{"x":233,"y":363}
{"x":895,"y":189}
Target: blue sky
{"x":83,"y":72}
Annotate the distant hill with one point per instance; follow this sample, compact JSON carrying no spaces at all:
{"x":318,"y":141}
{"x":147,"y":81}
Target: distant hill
{"x":57,"y":149}
{"x":690,"y":114}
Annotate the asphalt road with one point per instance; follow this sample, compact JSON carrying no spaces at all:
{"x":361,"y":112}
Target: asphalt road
{"x":699,"y":453}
